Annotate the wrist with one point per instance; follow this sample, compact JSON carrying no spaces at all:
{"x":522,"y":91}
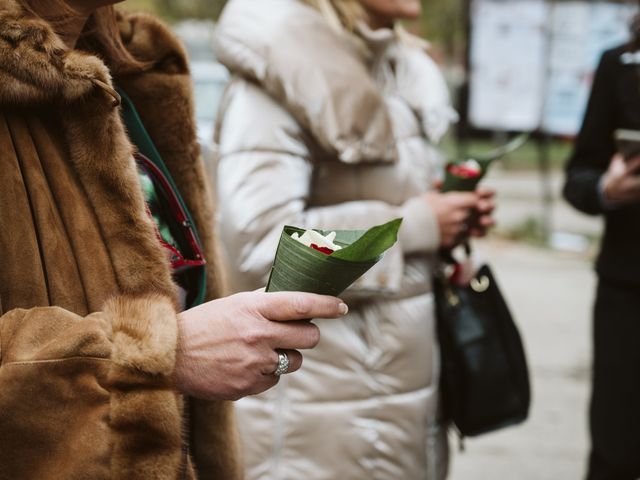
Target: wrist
{"x":420,"y":231}
{"x":604,"y":192}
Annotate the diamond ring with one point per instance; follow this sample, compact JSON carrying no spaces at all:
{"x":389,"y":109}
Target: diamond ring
{"x":283,"y":364}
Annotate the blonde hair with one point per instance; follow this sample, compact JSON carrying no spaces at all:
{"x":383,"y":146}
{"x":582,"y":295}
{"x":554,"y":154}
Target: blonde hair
{"x":341,"y":14}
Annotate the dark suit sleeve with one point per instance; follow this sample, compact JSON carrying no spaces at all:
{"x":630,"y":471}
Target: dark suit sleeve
{"x":595,"y":144}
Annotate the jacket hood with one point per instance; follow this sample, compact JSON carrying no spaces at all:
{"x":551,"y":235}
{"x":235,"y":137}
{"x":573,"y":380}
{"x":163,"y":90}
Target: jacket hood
{"x":402,"y":65}
{"x":320,"y":74}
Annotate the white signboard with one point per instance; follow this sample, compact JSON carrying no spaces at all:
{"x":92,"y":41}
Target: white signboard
{"x":532,"y":61}
{"x":579,"y":32}
{"x":508,"y":63}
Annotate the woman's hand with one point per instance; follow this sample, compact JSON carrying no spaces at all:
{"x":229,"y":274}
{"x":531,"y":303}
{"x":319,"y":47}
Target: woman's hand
{"x":482,"y":219}
{"x":455,"y":213}
{"x":621,"y":182}
{"x":227,"y":347}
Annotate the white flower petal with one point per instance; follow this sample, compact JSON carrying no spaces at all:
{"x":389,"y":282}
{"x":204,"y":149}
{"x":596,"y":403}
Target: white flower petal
{"x":472,"y":165}
{"x":311,"y":236}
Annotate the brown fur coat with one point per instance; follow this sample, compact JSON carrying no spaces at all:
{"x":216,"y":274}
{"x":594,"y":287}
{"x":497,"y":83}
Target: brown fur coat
{"x":88,"y":328}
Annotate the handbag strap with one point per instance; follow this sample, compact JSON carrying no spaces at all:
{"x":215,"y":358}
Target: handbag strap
{"x":446,"y":254}
{"x":142,"y":140}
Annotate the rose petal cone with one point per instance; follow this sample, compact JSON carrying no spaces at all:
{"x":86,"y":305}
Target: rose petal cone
{"x":300,"y":268}
{"x":453,"y":183}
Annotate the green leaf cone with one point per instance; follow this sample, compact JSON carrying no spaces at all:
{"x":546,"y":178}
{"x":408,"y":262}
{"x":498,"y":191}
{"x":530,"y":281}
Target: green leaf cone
{"x":453,"y":183}
{"x":301,"y":268}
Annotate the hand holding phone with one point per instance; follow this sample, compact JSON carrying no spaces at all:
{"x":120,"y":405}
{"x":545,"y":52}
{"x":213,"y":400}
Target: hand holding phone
{"x":627,"y":143}
{"x":621,"y":182}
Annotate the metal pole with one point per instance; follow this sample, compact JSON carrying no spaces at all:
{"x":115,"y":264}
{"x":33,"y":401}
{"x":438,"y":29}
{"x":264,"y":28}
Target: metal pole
{"x":464,"y":127}
{"x":544,"y":168}
{"x":544,"y":151}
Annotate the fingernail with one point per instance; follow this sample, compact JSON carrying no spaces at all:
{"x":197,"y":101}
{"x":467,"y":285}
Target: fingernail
{"x":343,"y":309}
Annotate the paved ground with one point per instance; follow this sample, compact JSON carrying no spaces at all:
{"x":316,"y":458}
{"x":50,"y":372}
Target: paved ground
{"x":519,"y":197}
{"x":550,"y":293}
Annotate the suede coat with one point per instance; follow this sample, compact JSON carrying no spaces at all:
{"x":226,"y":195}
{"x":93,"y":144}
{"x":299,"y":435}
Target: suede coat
{"x":88,"y":328}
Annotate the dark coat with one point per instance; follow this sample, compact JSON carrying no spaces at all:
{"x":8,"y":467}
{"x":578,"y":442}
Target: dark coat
{"x":614,"y":104}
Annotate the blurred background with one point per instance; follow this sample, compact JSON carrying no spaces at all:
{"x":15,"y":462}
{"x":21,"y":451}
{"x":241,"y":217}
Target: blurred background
{"x":512,"y":66}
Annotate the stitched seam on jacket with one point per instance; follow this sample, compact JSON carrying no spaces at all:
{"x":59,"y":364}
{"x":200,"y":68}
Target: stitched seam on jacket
{"x":429,"y":391}
{"x":56,"y":360}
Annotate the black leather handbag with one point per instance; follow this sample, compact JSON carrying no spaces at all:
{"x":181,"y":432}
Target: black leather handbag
{"x":485,"y":380}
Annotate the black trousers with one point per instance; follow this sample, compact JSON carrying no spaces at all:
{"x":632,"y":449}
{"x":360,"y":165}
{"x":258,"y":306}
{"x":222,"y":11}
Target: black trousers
{"x":615,"y":401}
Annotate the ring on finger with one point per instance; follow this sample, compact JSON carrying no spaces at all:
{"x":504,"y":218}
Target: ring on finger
{"x":283,"y":364}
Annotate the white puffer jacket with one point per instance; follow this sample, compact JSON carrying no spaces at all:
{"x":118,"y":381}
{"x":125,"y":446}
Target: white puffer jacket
{"x":319,"y":129}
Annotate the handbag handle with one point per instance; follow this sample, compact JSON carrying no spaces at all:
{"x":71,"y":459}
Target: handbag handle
{"x":446,"y":254}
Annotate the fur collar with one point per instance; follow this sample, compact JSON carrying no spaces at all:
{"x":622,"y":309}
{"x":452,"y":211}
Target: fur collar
{"x":36,"y":66}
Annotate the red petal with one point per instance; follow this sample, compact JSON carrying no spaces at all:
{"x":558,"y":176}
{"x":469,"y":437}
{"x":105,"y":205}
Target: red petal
{"x":455,"y":275}
{"x":463,"y":172}
{"x":325,"y":250}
